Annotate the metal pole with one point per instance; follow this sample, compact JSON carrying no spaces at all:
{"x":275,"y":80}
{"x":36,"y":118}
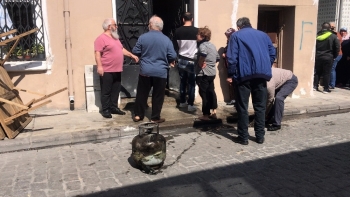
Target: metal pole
{"x":66,"y":14}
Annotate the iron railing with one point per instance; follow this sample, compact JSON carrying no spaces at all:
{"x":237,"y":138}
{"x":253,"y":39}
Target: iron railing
{"x":23,"y":15}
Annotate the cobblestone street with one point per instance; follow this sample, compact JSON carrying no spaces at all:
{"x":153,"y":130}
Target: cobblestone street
{"x":307,"y":157}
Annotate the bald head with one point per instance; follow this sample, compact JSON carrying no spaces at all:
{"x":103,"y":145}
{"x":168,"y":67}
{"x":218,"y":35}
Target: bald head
{"x":107,"y":22}
{"x":156,"y":23}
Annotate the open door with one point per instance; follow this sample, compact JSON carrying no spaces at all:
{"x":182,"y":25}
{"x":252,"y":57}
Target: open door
{"x":132,"y":18}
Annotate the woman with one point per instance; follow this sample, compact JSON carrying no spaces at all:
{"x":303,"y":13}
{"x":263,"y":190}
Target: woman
{"x":205,"y":73}
{"x":228,"y":33}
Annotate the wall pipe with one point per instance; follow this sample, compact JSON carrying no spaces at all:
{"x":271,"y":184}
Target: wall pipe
{"x":66,"y":14}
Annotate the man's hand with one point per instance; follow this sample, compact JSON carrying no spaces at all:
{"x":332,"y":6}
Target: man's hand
{"x":204,"y":65}
{"x":100,"y":70}
{"x":229,"y":80}
{"x":135,"y":58}
{"x":172,"y":64}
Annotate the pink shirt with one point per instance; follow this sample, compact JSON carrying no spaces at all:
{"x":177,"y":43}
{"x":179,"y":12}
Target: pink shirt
{"x":112,"y":57}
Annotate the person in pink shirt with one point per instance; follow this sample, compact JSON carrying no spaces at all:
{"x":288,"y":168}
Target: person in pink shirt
{"x":109,"y":56}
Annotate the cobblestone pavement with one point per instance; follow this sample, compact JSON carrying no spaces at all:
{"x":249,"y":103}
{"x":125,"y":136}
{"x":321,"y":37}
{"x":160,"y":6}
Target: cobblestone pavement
{"x":308,"y":157}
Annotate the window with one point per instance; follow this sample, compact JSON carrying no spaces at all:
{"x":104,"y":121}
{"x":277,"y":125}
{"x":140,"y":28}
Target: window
{"x":24,"y":15}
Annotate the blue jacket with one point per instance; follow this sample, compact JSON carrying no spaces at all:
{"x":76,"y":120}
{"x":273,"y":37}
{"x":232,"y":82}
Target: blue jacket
{"x":156,"y":51}
{"x":250,"y":55}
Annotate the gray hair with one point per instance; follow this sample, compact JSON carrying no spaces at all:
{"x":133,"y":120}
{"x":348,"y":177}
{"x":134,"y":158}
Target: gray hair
{"x":156,"y":23}
{"x":244,"y":21}
{"x":106,"y":23}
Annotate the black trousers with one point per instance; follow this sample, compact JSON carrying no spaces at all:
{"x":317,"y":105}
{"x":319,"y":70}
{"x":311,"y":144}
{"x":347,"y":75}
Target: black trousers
{"x":110,"y":88}
{"x":207,"y":93}
{"x":280,"y":95}
{"x":257,"y":87}
{"x":144,"y":86}
{"x":323,"y":67}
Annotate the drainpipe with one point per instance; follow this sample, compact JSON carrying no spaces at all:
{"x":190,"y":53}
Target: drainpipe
{"x":66,"y":14}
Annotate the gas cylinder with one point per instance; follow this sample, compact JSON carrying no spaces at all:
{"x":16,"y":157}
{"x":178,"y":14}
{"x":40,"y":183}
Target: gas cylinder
{"x":149,"y":147}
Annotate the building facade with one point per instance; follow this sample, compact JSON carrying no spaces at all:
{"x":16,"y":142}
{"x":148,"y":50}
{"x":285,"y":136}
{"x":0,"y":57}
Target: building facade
{"x":68,"y":29}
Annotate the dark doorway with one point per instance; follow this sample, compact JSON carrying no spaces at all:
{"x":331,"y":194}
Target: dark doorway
{"x":132,"y":18}
{"x":170,"y":11}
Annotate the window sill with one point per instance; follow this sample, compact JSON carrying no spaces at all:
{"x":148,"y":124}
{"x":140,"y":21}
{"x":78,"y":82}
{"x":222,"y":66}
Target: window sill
{"x":27,"y":66}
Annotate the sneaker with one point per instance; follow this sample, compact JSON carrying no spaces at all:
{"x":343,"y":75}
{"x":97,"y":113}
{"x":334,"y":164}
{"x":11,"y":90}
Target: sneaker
{"x":331,"y":87}
{"x":183,"y":105}
{"x":315,"y":89}
{"x":191,"y":108}
{"x":326,"y":91}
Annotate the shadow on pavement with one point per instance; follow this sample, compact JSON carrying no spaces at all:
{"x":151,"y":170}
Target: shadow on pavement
{"x":314,"y":172}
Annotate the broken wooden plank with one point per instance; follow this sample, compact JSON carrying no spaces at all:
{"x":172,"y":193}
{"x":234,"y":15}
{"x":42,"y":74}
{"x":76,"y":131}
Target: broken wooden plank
{"x":9,"y":95}
{"x":8,"y":33}
{"x":13,"y":103}
{"x":49,"y":95}
{"x":31,"y":92}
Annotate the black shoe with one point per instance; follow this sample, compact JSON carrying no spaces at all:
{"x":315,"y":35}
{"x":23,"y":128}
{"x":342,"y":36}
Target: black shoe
{"x":239,"y":140}
{"x":117,"y":111}
{"x":274,"y":128}
{"x":106,"y":114}
{"x":260,"y":140}
{"x":331,"y":87}
{"x":160,"y":120}
{"x":326,"y":91}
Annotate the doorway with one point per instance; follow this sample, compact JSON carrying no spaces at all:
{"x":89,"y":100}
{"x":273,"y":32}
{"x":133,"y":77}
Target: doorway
{"x":279,"y":22}
{"x":132,"y":18}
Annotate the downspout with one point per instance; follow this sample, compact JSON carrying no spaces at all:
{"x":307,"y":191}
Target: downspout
{"x":66,"y":14}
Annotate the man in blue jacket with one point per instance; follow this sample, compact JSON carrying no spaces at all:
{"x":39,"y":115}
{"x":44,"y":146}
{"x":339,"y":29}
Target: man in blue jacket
{"x":250,"y":55}
{"x":156,"y":53}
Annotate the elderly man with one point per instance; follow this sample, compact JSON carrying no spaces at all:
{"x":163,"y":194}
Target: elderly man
{"x":109,"y":59}
{"x":282,"y":84}
{"x":250,"y":55}
{"x":156,"y":52}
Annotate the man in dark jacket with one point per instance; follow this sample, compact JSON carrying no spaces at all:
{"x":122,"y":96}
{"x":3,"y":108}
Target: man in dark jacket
{"x":250,"y":55}
{"x":327,"y":49}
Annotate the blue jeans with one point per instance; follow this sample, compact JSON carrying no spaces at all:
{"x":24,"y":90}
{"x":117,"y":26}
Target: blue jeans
{"x":187,"y":80}
{"x":333,"y":74}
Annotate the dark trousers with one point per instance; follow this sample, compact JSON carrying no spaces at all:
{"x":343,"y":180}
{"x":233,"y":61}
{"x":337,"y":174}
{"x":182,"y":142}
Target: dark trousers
{"x":207,"y":93}
{"x":110,"y":88}
{"x":323,"y":67}
{"x":257,"y":87}
{"x":143,"y":88}
{"x":343,"y":71}
{"x":281,"y":94}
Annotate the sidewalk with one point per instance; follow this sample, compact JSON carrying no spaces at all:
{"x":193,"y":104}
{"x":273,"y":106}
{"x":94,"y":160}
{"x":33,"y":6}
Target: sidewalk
{"x":51,"y":128}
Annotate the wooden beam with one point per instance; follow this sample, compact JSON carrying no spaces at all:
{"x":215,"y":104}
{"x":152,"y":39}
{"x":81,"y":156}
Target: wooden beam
{"x":24,"y":90}
{"x":49,"y":95}
{"x":13,"y":103}
{"x":39,"y":105}
{"x":20,"y":36}
{"x":8,"y":33}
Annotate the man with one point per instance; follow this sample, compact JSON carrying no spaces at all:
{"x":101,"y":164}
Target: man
{"x":186,"y":45}
{"x":340,"y":35}
{"x":282,"y":84}
{"x":250,"y":56}
{"x":156,"y":51}
{"x":327,"y":49}
{"x":109,"y":59}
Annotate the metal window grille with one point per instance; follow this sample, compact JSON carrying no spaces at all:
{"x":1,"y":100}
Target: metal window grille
{"x":24,"y":15}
